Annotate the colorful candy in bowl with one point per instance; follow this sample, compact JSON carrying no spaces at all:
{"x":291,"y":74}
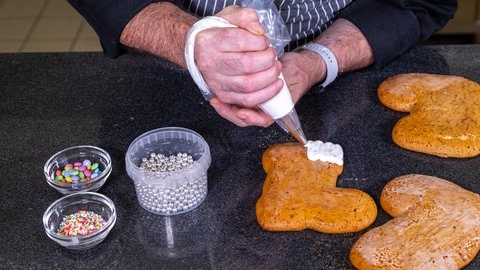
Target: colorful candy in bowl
{"x":78,"y":168}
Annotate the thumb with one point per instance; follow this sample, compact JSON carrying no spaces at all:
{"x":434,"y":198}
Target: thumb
{"x":245,"y":18}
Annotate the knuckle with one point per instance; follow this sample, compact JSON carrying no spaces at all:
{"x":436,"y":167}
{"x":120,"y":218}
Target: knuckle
{"x":243,"y":84}
{"x":202,"y":39}
{"x":204,"y":64}
{"x":249,"y":101}
{"x":237,"y":64}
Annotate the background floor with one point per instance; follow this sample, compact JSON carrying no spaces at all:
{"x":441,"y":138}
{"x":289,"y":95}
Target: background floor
{"x":44,"y":26}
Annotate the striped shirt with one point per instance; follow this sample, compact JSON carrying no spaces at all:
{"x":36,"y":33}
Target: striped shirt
{"x":305,"y":19}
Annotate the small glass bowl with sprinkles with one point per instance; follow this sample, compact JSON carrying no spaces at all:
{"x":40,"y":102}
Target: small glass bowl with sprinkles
{"x":169,"y":168}
{"x":80,"y":220}
{"x":78,"y":168}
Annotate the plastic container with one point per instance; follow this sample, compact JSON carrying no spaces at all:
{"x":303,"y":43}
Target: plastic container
{"x":78,"y":154}
{"x":71,"y":204}
{"x":171,"y":192}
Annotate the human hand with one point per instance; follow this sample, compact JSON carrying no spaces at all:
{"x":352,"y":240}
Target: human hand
{"x":301,"y":71}
{"x":239,"y":66}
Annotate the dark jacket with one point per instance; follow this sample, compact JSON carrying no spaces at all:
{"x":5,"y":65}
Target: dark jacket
{"x":391,"y":26}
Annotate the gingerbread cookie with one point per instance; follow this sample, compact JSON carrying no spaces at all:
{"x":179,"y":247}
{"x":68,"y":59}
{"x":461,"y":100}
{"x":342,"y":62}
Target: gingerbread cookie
{"x":444,"y":117}
{"x":436,"y":225}
{"x":299,"y":194}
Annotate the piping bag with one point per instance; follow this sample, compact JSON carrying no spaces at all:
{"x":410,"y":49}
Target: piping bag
{"x":280,"y":107}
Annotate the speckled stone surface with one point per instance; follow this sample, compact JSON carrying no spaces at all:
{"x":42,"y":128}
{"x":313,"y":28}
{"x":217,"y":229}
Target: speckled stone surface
{"x":52,"y":101}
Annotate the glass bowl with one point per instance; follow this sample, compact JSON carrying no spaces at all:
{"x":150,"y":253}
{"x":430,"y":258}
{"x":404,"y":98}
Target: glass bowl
{"x":163,"y":189}
{"x":75,"y":169}
{"x":63,"y":217}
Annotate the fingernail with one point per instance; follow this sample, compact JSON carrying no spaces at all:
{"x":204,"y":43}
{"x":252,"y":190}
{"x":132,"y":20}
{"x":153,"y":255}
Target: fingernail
{"x":257,"y":28}
{"x":213,"y":102}
{"x":242,"y":116}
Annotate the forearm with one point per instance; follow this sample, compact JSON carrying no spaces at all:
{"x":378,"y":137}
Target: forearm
{"x":159,"y":29}
{"x":375,"y":32}
{"x":348,"y":44}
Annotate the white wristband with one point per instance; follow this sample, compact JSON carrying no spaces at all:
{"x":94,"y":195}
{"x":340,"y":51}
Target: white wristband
{"x":329,"y":58}
{"x":205,"y":23}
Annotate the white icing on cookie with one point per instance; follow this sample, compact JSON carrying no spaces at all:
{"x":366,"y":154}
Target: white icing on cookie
{"x":326,"y":152}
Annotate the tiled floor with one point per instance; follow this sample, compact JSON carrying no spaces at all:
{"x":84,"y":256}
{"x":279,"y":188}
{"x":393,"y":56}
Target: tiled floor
{"x":44,"y":26}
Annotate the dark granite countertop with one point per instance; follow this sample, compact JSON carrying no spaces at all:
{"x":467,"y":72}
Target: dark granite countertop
{"x":55,"y":100}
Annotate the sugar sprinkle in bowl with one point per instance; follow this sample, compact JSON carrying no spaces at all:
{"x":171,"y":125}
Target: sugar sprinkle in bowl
{"x":80,"y":220}
{"x":78,"y":168}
